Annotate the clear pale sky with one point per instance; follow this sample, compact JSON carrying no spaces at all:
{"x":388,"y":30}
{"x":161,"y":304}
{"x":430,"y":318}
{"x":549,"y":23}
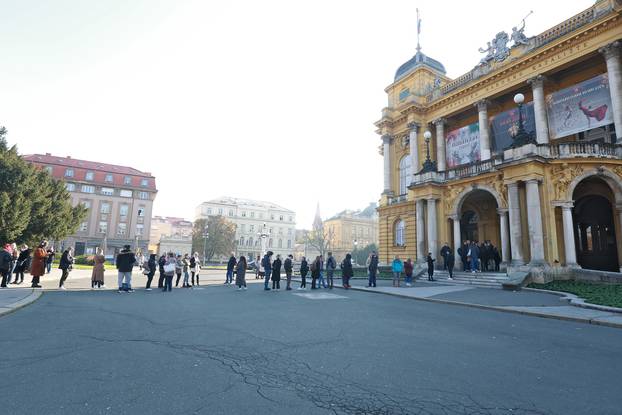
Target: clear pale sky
{"x":271,"y":100}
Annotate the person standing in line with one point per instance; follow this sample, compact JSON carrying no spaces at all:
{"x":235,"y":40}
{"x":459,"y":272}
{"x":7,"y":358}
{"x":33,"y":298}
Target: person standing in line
{"x":288,"y":266}
{"x":496,"y":257}
{"x":444,"y":250}
{"x":140,"y":259}
{"x":373,"y":269}
{"x":97,"y":275}
{"x":408,"y":271}
{"x":331,"y":265}
{"x":230,"y":267}
{"x":186,"y":263}
{"x":430,"y":262}
{"x":321,"y":282}
{"x":38,"y":264}
{"x":450,"y":264}
{"x":474,"y":255}
{"x":240,"y":273}
{"x":258,"y":267}
{"x":125,"y":263}
{"x":6,"y":256}
{"x":51,"y":255}
{"x":194,"y":260}
{"x":315,"y":272}
{"x":151,"y":266}
{"x":14,"y":255}
{"x":483,"y":252}
{"x":276,"y":273}
{"x":463,"y":251}
{"x":65,"y":265}
{"x":161,"y":263}
{"x":179,"y":266}
{"x":397,"y":267}
{"x":22,"y":264}
{"x":169,"y":272}
{"x":304,"y":270}
{"x":266,"y":263}
{"x":346,"y":271}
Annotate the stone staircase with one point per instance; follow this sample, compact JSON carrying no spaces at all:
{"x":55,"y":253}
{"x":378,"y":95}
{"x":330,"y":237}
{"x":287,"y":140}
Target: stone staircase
{"x":482,"y":279}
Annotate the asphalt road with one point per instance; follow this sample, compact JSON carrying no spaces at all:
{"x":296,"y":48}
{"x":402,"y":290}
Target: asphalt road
{"x":220,"y":351}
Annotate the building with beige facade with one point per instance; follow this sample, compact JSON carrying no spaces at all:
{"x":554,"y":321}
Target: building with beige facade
{"x":524,"y":150}
{"x":352,"y":229}
{"x":119,"y":200}
{"x":170,"y":234}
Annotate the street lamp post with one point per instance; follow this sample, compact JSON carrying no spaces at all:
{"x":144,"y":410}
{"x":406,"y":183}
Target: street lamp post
{"x":356,"y":244}
{"x":428,"y":165}
{"x":263,"y":235}
{"x":521,"y":137}
{"x":205,"y":236}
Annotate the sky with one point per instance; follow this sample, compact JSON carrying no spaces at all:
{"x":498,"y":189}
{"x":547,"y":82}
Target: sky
{"x":271,"y":100}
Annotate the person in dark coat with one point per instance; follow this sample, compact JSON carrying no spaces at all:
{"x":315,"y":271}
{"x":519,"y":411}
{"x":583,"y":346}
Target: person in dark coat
{"x":6,"y":256}
{"x":484,"y":256}
{"x":240,"y":273}
{"x":23,"y":263}
{"x":230,"y":267}
{"x":304,"y":270}
{"x":409,"y":267}
{"x":463,"y":252}
{"x":125,"y":263}
{"x":444,"y":251}
{"x":496,"y":257}
{"x":315,"y":272}
{"x":430,"y":262}
{"x":51,"y":255}
{"x":276,"y":273}
{"x":152,"y":265}
{"x":266,"y":263}
{"x":346,"y":271}
{"x":161,"y":263}
{"x":451,"y":259}
{"x":65,"y":265}
{"x":289,"y":269}
{"x":474,"y":256}
{"x":372,"y":268}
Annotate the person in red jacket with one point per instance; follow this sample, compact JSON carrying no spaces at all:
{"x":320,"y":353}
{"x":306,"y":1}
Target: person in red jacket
{"x":408,"y":270}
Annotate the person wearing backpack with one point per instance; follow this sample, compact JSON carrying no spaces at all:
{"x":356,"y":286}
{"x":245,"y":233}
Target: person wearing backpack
{"x":397,"y":267}
{"x":267,"y":266}
{"x":65,"y":265}
{"x":230,"y":267}
{"x":289,"y":268}
{"x":315,"y":272}
{"x":346,"y":271}
{"x":331,"y":265}
{"x":304,"y":270}
{"x":6,"y":256}
{"x":373,"y":269}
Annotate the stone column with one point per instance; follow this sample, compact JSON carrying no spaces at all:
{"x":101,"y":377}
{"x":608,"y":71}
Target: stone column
{"x":539,"y":109}
{"x":516,"y":236}
{"x":570,"y":251}
{"x":457,"y":241}
{"x":414,"y":148}
{"x":505,"y":235}
{"x":611,"y":52}
{"x":440,"y":143}
{"x":534,"y":223}
{"x":484,"y":135}
{"x":386,"y":151}
{"x":420,"y":231}
{"x":432,"y":226}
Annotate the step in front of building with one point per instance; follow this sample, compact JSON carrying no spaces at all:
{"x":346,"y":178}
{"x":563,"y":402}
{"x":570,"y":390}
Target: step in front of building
{"x":489,"y":279}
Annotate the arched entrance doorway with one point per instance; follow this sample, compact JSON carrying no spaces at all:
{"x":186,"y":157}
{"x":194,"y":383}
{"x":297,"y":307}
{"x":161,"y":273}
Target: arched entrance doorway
{"x":479,"y":220}
{"x":594,"y":228}
{"x":468,"y":225}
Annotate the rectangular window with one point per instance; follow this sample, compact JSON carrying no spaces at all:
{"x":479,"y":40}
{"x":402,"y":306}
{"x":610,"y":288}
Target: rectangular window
{"x":291,"y":219}
{"x":48,"y":169}
{"x":103,"y":227}
{"x":139,"y":229}
{"x":230,"y":212}
{"x":143,"y":195}
{"x":71,"y":187}
{"x":272,"y":216}
{"x":252,"y":214}
{"x":209,"y":211}
{"x":88,"y":188}
{"x":141,"y":212}
{"x":86,"y":204}
{"x":289,"y":243}
{"x":121,"y":228}
{"x":144,"y":182}
{"x":123,"y":210}
{"x":125,"y":193}
{"x":89,"y":175}
{"x":404,"y":94}
{"x":127,"y":180}
{"x":243,"y":227}
{"x":107,"y":191}
{"x":281,"y":217}
{"x":243,"y":214}
{"x":104,"y":207}
{"x":220,"y":211}
{"x":252,"y":228}
{"x":84,"y":226}
{"x":108,"y":178}
{"x":68,"y":172}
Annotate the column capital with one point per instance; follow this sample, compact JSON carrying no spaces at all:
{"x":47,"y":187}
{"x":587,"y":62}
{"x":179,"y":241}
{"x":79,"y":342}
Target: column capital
{"x":431,"y":199}
{"x":386,"y":138}
{"x":512,"y":185}
{"x":611,"y":50}
{"x":454,"y":218}
{"x":482,"y":104}
{"x":413,"y":126}
{"x":537,"y":81}
{"x":533,"y":180}
{"x":502,"y":211}
{"x":439,"y":121}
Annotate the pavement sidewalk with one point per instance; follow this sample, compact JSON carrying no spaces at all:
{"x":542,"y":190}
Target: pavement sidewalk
{"x":13,"y":299}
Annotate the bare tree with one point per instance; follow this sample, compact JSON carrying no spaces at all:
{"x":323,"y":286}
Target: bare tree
{"x":319,"y":239}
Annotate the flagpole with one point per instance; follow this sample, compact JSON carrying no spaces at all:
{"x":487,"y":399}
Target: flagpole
{"x":418,"y":30}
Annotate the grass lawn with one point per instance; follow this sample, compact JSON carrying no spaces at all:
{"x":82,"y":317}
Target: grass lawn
{"x":603,"y":294}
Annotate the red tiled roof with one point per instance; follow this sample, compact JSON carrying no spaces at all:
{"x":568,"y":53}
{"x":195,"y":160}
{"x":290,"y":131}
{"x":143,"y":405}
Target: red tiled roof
{"x":100,"y":170}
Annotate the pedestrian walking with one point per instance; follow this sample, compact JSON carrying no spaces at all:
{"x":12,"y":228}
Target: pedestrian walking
{"x":315,"y":272}
{"x":140,"y":259}
{"x":451,"y":259}
{"x":195,"y":267}
{"x":240,"y":273}
{"x":288,"y":266}
{"x":266,"y":263}
{"x":186,"y":265}
{"x":50,"y":259}
{"x":331,"y":265}
{"x":304,"y":270}
{"x":179,"y":266}
{"x":37,"y":269}
{"x":169,"y":272}
{"x":397,"y":267}
{"x":161,"y":263}
{"x":99,"y":268}
{"x":321,"y":282}
{"x":372,"y":269}
{"x":276,"y":273}
{"x":150,"y":267}
{"x":346,"y":271}
{"x":65,"y":265}
{"x":430,"y":262}
{"x":125,"y":262}
{"x":444,"y":251}
{"x":408,"y":271}
{"x":22,"y":264}
{"x":6,"y":257}
{"x":230,"y":266}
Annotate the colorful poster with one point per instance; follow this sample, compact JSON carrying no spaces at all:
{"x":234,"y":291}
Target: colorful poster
{"x":462,"y":146}
{"x":504,"y":126}
{"x":580,"y":107}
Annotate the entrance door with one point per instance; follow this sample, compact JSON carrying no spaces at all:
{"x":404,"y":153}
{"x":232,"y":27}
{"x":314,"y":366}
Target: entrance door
{"x":468,"y":226}
{"x":595,"y":236}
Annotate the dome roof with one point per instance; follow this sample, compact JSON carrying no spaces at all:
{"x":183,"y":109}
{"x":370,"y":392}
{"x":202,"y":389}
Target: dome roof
{"x":420,"y":59}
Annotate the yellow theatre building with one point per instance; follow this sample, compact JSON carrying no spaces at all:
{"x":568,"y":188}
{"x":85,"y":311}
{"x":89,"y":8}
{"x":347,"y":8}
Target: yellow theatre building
{"x":525,"y":150}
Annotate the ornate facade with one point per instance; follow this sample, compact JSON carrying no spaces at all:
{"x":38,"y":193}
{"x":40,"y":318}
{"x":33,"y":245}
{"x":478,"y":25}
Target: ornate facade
{"x":541,"y":180}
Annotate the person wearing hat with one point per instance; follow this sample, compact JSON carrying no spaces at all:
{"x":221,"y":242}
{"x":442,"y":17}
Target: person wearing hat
{"x":125,"y":263}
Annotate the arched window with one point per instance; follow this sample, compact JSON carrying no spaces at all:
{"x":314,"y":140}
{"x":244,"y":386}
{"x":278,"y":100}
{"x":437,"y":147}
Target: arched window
{"x":405,"y":174}
{"x":280,"y":243}
{"x":400,"y":233}
{"x":250,"y":241}
{"x":241,"y":241}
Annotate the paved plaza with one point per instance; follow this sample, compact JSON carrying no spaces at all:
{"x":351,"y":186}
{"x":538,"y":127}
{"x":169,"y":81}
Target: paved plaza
{"x":220,"y":351}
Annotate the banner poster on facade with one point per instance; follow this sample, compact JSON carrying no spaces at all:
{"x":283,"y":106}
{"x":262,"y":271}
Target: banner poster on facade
{"x":504,"y":126}
{"x":580,"y":107}
{"x":462,"y":146}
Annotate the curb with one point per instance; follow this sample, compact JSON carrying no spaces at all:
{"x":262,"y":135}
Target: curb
{"x":577,"y":301}
{"x":29,"y":299}
{"x":496,"y":308}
